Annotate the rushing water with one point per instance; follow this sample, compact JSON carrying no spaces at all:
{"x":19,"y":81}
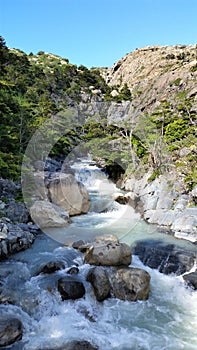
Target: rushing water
{"x":168,"y":320}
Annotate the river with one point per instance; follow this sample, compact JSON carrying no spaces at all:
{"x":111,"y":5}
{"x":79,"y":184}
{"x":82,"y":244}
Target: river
{"x":167,"y":320}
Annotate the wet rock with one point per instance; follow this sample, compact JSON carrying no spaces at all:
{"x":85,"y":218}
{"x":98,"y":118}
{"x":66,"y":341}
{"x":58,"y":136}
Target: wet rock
{"x":97,"y":276}
{"x":69,"y":194}
{"x":70,"y":288}
{"x":130,"y":284}
{"x":15,"y":241}
{"x":191,"y":279}
{"x":11,"y":330}
{"x":108,"y":254}
{"x":167,"y":258}
{"x":51,"y":267}
{"x":121,"y":198}
{"x":46,"y":214}
{"x":77,"y":345}
{"x":81,"y":246}
{"x":73,"y":270}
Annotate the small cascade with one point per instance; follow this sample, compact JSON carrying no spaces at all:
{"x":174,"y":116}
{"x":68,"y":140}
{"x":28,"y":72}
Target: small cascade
{"x":167,"y":320}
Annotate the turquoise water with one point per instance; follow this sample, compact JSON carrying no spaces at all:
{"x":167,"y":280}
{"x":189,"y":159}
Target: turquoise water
{"x":168,"y":320}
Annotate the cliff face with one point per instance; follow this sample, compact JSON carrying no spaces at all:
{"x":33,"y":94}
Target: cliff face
{"x":162,"y":82}
{"x":154,"y":74}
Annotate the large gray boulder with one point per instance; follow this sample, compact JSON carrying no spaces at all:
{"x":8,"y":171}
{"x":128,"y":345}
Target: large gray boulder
{"x":11,"y":330}
{"x":46,"y":214}
{"x":130,"y":284}
{"x":69,"y":194}
{"x":185,"y":224}
{"x":167,"y":258}
{"x":108,"y":254}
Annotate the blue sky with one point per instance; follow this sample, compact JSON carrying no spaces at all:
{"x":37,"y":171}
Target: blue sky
{"x":96,"y":32}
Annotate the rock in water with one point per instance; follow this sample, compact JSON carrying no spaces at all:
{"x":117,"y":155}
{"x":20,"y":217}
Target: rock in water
{"x":97,"y":276}
{"x":70,"y":288}
{"x":77,"y":345}
{"x":109,"y":254}
{"x":69,"y":194}
{"x":191,"y":279}
{"x":51,"y":267}
{"x":46,"y":214}
{"x":130,"y":284}
{"x":10,"y":330}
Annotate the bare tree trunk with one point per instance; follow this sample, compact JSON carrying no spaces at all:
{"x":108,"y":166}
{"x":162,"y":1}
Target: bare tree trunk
{"x":128,"y":137}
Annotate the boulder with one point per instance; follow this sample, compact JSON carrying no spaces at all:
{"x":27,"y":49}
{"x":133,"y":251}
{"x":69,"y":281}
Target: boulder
{"x":73,"y":270}
{"x":17,"y":212}
{"x":46,"y":214}
{"x":108,"y":254}
{"x":70,"y":288}
{"x":104,"y":239}
{"x":69,"y":194}
{"x":161,"y":217}
{"x":191,"y":279}
{"x":130,"y":284}
{"x":11,"y":330}
{"x":15,"y":240}
{"x":51,"y":267}
{"x":121,"y":198}
{"x":185,"y":224}
{"x":39,"y":191}
{"x":97,"y":276}
{"x":76,"y":345}
{"x":167,"y":258}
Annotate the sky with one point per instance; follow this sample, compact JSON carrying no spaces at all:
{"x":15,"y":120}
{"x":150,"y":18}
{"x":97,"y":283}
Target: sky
{"x":96,"y":33}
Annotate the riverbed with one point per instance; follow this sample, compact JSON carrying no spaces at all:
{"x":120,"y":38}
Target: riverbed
{"x":167,"y":320}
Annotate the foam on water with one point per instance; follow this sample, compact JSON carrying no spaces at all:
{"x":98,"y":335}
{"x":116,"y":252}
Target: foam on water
{"x":166,"y":321}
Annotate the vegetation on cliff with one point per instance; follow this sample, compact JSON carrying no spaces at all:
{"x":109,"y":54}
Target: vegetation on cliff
{"x":156,"y":84}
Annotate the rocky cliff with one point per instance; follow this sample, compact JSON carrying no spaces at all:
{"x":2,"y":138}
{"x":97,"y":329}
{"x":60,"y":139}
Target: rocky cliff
{"x":162,"y":82}
{"x":154,"y":74}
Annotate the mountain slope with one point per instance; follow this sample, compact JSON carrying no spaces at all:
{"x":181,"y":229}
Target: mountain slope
{"x":156,"y":73}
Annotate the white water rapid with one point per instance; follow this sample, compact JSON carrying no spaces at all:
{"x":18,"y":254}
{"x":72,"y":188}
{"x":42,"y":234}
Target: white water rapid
{"x":167,"y":321}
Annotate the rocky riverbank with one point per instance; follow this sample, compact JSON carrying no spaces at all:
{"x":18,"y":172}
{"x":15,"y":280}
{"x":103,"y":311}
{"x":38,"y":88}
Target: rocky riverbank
{"x":163,"y":202}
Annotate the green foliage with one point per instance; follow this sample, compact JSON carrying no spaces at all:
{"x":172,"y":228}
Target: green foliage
{"x":124,"y":94}
{"x":154,"y":175}
{"x":194,"y":68}
{"x":34,"y":88}
{"x":175,"y":82}
{"x":175,"y":130}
